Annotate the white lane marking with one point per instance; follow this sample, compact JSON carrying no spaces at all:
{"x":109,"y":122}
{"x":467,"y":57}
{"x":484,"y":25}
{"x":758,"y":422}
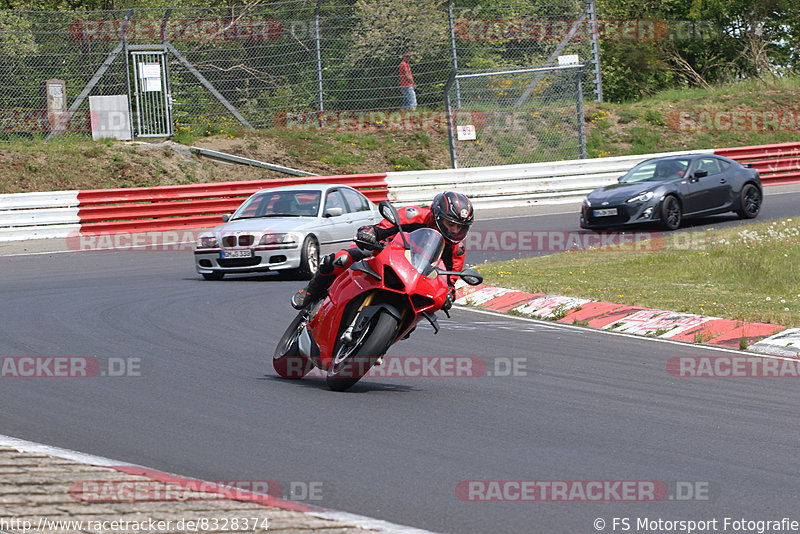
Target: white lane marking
{"x":90,"y":459}
{"x":120,"y":249}
{"x":497,"y":325}
{"x":527,"y":216}
{"x":572,"y":212}
{"x":586,"y":329}
{"x":49,"y":450}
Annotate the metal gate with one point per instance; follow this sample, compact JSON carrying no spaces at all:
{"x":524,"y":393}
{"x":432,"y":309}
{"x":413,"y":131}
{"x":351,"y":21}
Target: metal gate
{"x":151,"y":92}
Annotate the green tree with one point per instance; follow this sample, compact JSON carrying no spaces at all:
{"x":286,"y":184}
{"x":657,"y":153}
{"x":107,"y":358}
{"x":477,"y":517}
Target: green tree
{"x":710,"y":41}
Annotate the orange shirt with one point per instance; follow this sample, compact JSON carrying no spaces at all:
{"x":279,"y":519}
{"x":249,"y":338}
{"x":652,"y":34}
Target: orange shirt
{"x":406,"y":78}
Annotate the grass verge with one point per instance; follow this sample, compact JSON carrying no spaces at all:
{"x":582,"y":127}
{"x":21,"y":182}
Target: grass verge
{"x":749,"y":274}
{"x":653,"y":124}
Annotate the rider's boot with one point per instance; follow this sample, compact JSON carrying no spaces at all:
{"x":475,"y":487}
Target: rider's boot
{"x":316,"y":289}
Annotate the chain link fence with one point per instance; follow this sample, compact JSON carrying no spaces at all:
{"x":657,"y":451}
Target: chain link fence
{"x":520,"y":116}
{"x":275,"y":64}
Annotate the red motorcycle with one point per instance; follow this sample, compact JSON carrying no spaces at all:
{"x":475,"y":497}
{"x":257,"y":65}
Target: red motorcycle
{"x":376,"y":303}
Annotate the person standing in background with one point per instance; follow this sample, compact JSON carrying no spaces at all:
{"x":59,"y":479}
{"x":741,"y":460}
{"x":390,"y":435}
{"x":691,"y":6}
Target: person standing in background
{"x":407,"y":84}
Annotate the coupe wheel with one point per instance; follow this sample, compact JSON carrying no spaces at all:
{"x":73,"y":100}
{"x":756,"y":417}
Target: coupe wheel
{"x":750,"y":202}
{"x":671,"y":213}
{"x":309,"y":258}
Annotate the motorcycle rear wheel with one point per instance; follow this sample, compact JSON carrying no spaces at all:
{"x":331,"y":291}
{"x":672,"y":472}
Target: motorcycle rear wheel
{"x":354,"y":360}
{"x":287,"y":360}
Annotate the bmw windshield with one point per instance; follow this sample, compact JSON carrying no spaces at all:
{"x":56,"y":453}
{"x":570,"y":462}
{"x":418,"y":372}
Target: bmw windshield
{"x":280,"y":204}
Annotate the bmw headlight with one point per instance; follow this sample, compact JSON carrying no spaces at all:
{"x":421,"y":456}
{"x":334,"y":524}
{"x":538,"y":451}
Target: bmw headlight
{"x":643,"y":197}
{"x":207,"y":241}
{"x":278,"y":239}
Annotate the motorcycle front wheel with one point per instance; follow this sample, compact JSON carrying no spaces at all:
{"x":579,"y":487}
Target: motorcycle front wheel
{"x":287,"y":360}
{"x":354,"y":359}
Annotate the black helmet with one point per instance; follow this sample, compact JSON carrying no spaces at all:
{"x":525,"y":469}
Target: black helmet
{"x":455,"y":208}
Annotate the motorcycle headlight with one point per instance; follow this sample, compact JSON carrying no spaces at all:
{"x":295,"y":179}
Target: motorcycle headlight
{"x":643,"y":197}
{"x":207,"y":241}
{"x":278,"y":239}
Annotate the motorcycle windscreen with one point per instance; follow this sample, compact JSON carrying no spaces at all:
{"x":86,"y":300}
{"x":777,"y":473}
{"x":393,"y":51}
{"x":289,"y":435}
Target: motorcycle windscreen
{"x":427,"y":246}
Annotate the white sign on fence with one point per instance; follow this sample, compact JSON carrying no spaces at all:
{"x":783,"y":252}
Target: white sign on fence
{"x":466,"y":132}
{"x":150,"y":74}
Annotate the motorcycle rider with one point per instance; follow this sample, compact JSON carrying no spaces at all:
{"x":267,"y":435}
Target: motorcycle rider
{"x":450,"y":213}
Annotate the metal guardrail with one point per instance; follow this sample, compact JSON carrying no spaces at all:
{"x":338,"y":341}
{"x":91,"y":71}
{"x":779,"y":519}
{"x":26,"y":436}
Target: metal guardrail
{"x":776,"y":164}
{"x":145,"y":209}
{"x":58,"y":214}
{"x":517,"y":185}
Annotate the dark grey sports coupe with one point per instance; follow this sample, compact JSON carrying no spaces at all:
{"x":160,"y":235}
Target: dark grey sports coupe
{"x":670,"y":189}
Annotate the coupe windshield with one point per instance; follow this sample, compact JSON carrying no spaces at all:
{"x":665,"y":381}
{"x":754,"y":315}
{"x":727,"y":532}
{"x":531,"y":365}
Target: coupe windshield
{"x":656,"y":171}
{"x":426,"y":249}
{"x":280,"y":204}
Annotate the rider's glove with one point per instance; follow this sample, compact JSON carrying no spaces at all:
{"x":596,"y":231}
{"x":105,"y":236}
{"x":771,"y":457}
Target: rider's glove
{"x":367,"y":234}
{"x":448,"y":301}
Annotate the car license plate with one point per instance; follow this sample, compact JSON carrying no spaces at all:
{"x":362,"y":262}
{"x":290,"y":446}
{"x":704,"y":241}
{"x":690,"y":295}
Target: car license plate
{"x":237,"y":253}
{"x":605,"y":213}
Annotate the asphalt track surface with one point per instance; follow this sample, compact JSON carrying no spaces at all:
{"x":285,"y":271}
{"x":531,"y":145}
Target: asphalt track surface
{"x":589,"y":406}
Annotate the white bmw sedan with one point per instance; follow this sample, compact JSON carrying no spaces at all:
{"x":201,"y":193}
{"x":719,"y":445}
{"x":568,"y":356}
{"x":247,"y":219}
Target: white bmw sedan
{"x":284,"y":228}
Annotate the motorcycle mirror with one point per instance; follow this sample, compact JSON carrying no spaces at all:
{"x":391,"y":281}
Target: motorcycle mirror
{"x":388,"y":211}
{"x":471,"y":277}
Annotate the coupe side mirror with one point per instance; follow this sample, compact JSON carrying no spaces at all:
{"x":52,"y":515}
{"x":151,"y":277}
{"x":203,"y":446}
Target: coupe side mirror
{"x":333,"y":212}
{"x":226,"y":217}
{"x":700,"y":173}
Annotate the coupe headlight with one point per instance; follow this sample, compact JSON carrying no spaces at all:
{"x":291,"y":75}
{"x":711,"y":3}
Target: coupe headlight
{"x":643,"y":197}
{"x":207,"y":241}
{"x":586,"y":202}
{"x":278,"y":239}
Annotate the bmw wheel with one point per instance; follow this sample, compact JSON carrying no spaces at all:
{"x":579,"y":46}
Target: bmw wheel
{"x":309,"y":257}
